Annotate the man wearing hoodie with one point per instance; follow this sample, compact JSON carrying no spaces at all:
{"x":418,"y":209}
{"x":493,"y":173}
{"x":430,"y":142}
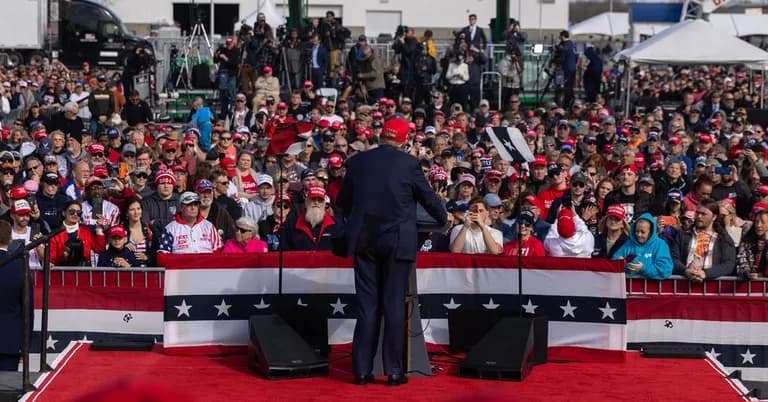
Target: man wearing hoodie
{"x":646,"y":253}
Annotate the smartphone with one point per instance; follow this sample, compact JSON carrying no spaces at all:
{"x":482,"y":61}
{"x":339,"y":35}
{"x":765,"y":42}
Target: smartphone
{"x":98,"y":206}
{"x":668,"y":220}
{"x":630,"y":258}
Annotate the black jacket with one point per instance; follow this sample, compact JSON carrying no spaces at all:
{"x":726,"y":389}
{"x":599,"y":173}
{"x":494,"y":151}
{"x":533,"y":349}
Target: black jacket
{"x":723,"y":255}
{"x":11,"y":298}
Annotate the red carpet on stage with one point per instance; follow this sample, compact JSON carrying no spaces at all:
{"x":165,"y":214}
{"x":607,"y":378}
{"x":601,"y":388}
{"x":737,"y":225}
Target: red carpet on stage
{"x":225,"y":378}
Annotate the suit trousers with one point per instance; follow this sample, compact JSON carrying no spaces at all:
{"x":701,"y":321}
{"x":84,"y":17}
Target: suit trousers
{"x":9,"y":362}
{"x":380,"y":285}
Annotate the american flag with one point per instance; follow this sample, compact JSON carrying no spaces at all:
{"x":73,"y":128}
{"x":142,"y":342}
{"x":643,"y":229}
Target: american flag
{"x":208,"y":299}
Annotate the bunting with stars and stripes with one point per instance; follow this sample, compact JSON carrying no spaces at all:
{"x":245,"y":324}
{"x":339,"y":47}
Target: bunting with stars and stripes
{"x":733,"y":329}
{"x":208,"y":299}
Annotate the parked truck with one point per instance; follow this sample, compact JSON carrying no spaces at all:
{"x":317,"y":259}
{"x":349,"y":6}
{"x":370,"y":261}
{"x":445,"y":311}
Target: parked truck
{"x":73,"y":31}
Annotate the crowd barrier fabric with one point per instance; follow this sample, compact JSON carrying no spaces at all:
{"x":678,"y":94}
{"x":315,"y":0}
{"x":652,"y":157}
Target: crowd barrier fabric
{"x":208,"y":299}
{"x":734,"y":329}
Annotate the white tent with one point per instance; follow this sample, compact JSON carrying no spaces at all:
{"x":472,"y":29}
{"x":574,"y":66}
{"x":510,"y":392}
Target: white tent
{"x":694,"y":42}
{"x":741,"y":24}
{"x":606,"y":24}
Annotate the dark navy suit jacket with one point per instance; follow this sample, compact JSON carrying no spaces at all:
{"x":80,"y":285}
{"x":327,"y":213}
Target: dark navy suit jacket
{"x":11,"y":297}
{"x":379,"y":195}
{"x":322,"y":57}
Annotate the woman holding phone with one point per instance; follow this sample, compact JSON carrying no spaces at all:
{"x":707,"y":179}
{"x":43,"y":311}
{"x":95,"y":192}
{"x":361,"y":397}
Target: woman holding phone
{"x":645,"y":253}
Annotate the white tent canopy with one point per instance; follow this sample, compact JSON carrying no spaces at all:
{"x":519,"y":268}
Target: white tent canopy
{"x":694,"y":42}
{"x":606,"y":24}
{"x":617,"y":24}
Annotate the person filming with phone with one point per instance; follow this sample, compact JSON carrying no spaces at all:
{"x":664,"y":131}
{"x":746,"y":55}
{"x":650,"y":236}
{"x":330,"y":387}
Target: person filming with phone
{"x":475,"y":236}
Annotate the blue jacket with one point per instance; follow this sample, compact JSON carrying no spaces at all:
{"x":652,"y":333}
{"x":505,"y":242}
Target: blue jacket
{"x":322,"y":57}
{"x":202,"y":120}
{"x":654,"y":254}
{"x":379,"y":195}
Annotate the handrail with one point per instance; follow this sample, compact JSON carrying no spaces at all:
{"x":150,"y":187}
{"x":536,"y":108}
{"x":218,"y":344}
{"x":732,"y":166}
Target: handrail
{"x":680,"y":285}
{"x":110,"y":276}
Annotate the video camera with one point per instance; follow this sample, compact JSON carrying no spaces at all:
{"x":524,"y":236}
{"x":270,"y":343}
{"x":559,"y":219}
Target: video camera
{"x":244,"y":35}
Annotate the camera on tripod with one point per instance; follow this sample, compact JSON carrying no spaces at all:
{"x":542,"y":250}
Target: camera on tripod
{"x":244,"y":35}
{"x":400,"y":31}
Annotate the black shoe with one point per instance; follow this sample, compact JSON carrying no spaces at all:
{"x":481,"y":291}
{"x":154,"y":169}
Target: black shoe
{"x":397,"y":379}
{"x":364,"y":379}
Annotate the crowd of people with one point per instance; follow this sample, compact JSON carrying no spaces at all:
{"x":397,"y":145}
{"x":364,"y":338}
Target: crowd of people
{"x":671,"y":190}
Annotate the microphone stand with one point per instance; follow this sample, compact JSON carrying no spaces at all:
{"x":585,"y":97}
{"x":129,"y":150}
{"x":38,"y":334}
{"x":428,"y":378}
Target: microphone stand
{"x":521,"y":177}
{"x":26,"y":309}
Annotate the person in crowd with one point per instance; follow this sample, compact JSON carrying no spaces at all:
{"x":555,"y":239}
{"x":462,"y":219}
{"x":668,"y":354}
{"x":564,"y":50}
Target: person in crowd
{"x":751,"y":261}
{"x":160,"y":207}
{"x":221,"y":189}
{"x":118,"y":255}
{"x":189,"y":232}
{"x":613,"y":232}
{"x":246,"y":178}
{"x":246,"y":238}
{"x":645,"y":253}
{"x":50,"y":200}
{"x":526,"y":244}
{"x":569,"y":236}
{"x":705,"y":251}
{"x":634,"y":201}
{"x":260,"y":207}
{"x":213,"y":212}
{"x":475,"y":235}
{"x":735,"y":226}
{"x":24,"y":232}
{"x":73,"y":246}
{"x":273,"y":228}
{"x":313,"y":228}
{"x":138,"y":233}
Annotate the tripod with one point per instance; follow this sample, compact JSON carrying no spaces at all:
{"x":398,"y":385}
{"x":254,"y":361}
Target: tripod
{"x":194,"y":39}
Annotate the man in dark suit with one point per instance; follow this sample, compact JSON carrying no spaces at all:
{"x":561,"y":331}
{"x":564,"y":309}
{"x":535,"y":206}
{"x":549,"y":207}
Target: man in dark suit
{"x":380,"y":208}
{"x":11,"y":297}
{"x":474,"y":34}
{"x":318,"y":61}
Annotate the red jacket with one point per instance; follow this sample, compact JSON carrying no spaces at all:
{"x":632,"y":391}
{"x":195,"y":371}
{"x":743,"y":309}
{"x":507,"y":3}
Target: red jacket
{"x":91,"y":242}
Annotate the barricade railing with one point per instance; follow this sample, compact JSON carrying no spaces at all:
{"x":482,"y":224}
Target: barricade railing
{"x":154,"y":277}
{"x":143,"y":277}
{"x":678,"y":285}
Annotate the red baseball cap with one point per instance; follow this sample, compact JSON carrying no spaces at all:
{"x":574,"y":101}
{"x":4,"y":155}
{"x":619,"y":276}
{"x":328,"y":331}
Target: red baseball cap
{"x":178,"y":168}
{"x":762,"y":189}
{"x":18,"y":193}
{"x":565,"y":226}
{"x":629,"y":167}
{"x":316,"y":192}
{"x":308,"y":84}
{"x":117,"y":231}
{"x":282,"y":105}
{"x":21,"y":207}
{"x":540,"y":160}
{"x":706,"y":138}
{"x":395,"y":130}
{"x":267,"y":69}
{"x":493,"y":174}
{"x":675,"y":140}
{"x":617,"y":211}
{"x":95,"y":149}
{"x":165,"y":177}
{"x":335,"y":161}
{"x":283,"y":197}
{"x":169,"y":145}
{"x":100,"y":171}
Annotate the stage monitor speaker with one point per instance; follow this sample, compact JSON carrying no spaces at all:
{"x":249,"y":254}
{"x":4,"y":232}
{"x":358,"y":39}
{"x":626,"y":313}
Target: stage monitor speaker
{"x":276,"y":351}
{"x":122,"y":345}
{"x":309,"y":324}
{"x":674,"y":350}
{"x":467,"y":327}
{"x":504,"y":353}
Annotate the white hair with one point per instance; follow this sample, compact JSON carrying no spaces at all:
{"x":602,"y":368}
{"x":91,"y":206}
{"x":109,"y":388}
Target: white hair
{"x":249,"y":223}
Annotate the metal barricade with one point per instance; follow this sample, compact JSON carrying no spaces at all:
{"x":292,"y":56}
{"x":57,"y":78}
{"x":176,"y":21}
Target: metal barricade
{"x":495,"y":75}
{"x":678,"y":285}
{"x":144,"y":277}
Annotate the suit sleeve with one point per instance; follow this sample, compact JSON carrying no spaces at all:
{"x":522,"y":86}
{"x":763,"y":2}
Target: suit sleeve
{"x":344,"y":198}
{"x":426,"y":196}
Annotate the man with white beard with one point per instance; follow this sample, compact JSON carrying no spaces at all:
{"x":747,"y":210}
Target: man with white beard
{"x":313,"y":227}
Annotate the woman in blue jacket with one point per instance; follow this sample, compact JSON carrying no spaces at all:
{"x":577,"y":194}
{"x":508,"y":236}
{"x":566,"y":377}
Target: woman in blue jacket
{"x":651,"y":254}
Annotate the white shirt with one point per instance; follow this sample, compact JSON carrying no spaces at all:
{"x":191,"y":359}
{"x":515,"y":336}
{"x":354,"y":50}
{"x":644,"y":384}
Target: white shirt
{"x":110,"y":211}
{"x":179,"y":238}
{"x":34,"y":261}
{"x":474,"y":242}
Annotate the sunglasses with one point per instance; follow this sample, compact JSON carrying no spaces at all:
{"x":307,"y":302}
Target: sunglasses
{"x":578,"y":184}
{"x":98,"y":155}
{"x":526,"y":224}
{"x":170,"y":151}
{"x":340,"y":146}
{"x":244,"y":230}
{"x":73,"y":211}
{"x":129,"y":155}
{"x":142,"y":176}
{"x":225,"y":138}
{"x":283,"y":206}
{"x":223,"y":183}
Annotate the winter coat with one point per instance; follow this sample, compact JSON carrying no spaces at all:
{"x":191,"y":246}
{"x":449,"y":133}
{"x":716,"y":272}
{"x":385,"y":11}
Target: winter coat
{"x":653,"y":254}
